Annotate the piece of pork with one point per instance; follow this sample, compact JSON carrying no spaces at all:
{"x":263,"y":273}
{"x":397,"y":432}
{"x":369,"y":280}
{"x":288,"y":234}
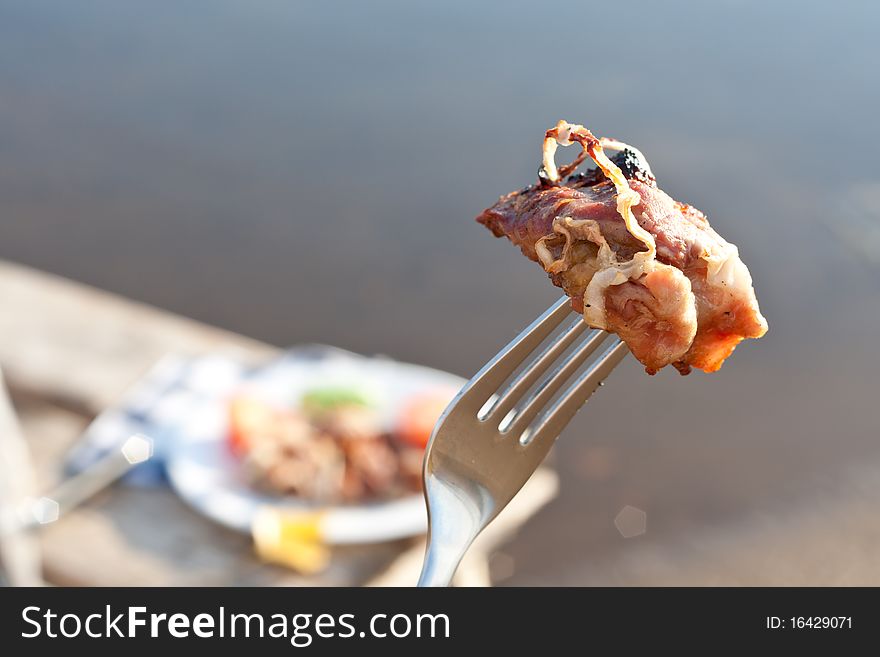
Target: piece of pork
{"x":676,"y":293}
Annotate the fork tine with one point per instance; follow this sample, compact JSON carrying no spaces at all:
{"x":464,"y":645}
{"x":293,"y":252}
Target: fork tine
{"x":569,"y":403}
{"x":487,"y":381}
{"x":527,"y":377}
{"x":470,"y":472}
{"x":557,"y":378}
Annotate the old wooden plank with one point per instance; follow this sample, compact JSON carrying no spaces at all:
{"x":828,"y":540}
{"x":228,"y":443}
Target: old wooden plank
{"x":70,"y":351}
{"x":50,"y":432}
{"x":82,"y":347}
{"x":144,"y":537}
{"x":137,"y":537}
{"x":19,"y":556}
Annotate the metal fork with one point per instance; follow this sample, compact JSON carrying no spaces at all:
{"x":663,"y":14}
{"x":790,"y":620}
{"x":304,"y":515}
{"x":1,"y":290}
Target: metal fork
{"x":490,"y":439}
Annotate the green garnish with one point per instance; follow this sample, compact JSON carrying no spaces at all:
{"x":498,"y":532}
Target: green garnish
{"x":326,"y":399}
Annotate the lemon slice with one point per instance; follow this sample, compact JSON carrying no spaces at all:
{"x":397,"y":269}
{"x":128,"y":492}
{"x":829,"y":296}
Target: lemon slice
{"x":291,"y":538}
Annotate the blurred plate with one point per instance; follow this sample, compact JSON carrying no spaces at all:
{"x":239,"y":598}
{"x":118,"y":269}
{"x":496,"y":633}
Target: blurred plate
{"x":210,"y":479}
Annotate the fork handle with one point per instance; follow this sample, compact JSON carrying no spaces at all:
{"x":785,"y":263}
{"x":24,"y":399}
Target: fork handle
{"x":440,"y":564}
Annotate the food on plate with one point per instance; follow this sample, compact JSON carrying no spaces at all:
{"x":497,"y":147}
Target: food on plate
{"x":247,"y":418}
{"x":419,"y":415}
{"x":634,"y":261}
{"x":322,"y":399}
{"x":332,"y":447}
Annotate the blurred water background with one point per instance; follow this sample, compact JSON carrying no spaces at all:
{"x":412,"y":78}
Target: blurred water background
{"x":309,"y":172}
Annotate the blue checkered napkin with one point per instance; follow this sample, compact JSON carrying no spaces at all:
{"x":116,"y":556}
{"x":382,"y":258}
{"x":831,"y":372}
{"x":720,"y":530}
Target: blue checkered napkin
{"x":177,"y":395}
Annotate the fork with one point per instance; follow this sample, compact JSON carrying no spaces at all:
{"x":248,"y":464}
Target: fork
{"x":498,"y":429}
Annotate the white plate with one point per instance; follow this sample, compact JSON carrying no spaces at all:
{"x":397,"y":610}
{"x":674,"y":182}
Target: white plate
{"x":209,"y":478}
